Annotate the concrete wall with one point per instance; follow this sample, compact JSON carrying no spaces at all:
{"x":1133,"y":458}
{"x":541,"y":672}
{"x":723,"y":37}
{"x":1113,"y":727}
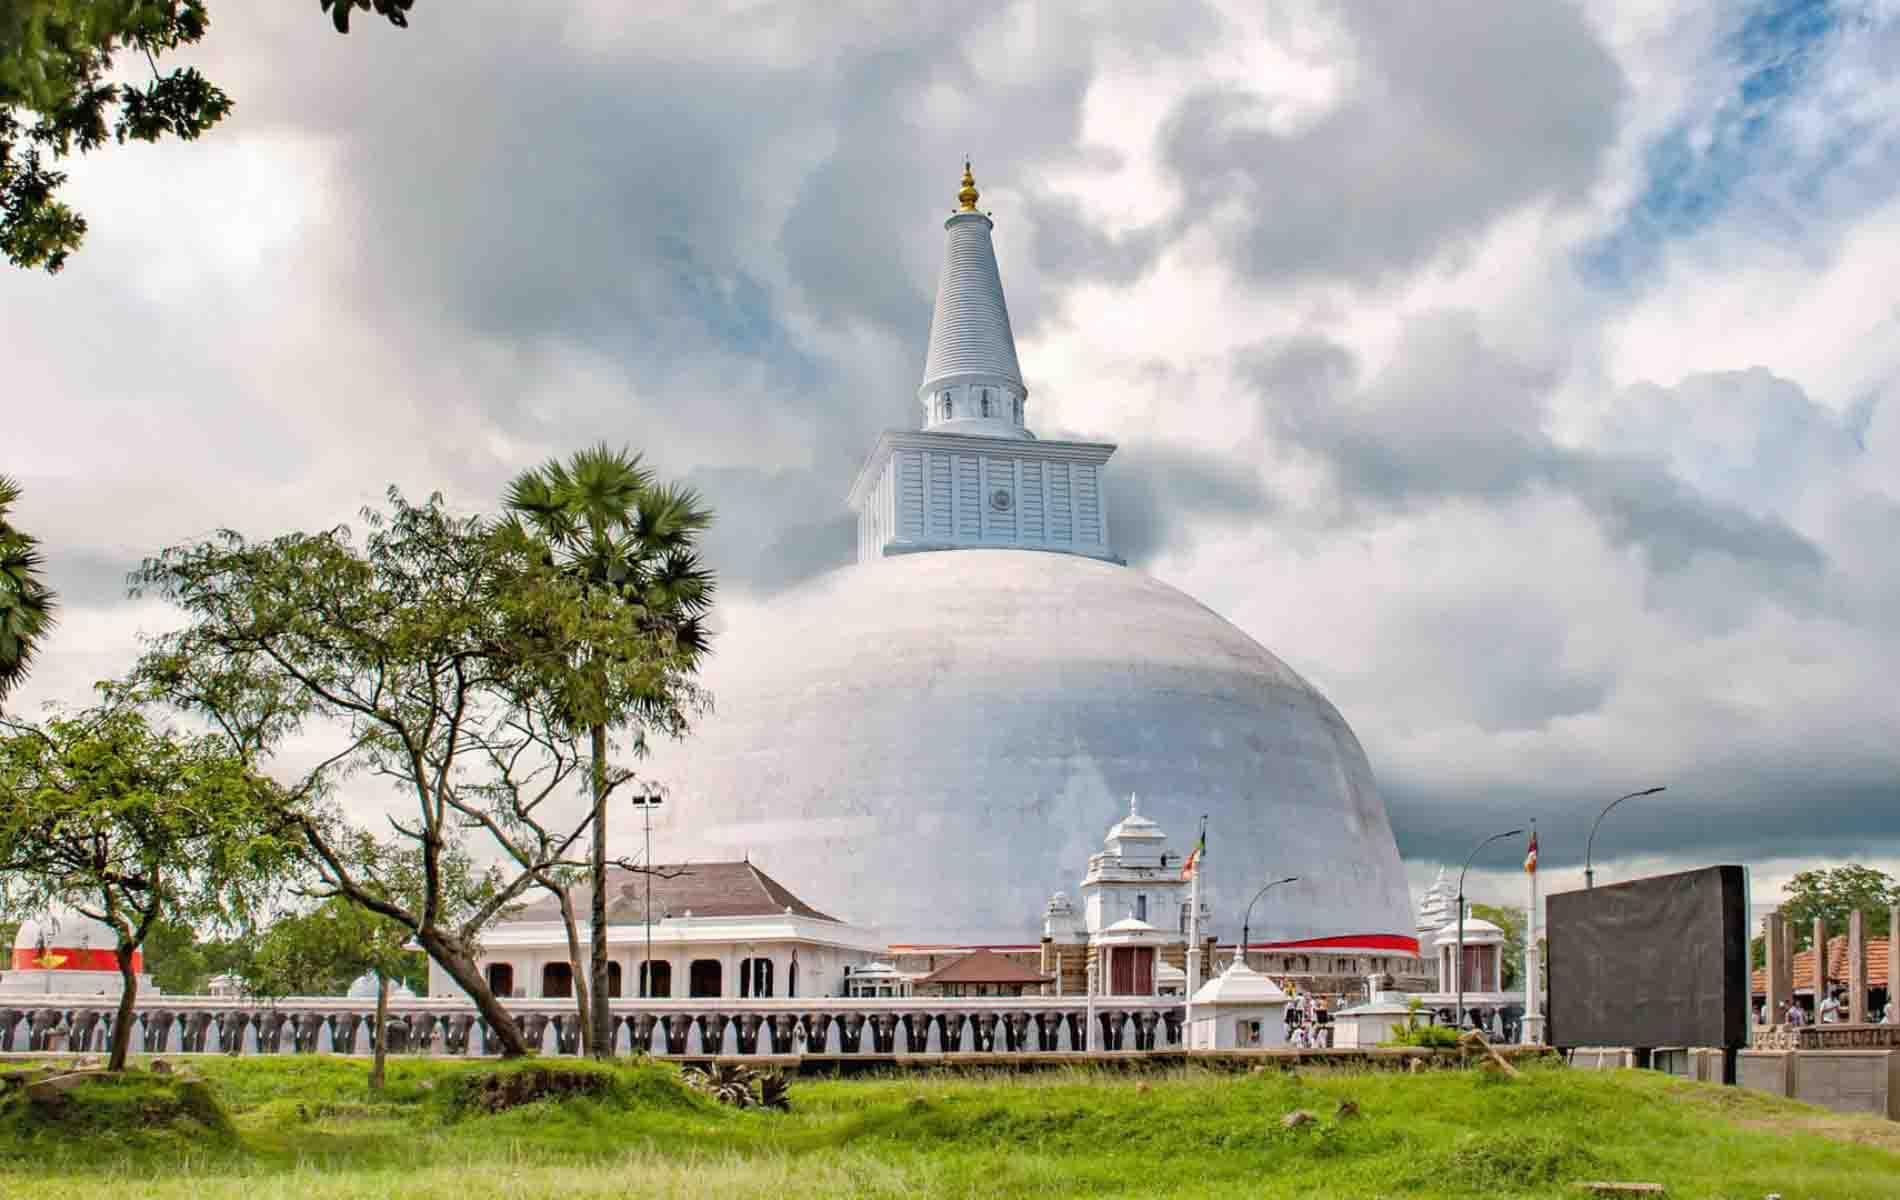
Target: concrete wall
{"x":1602,"y":1058}
{"x":1856,"y":1081}
{"x":1861,"y":1081}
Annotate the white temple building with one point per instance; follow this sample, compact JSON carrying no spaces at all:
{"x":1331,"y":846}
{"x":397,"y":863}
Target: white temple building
{"x":923,"y":739}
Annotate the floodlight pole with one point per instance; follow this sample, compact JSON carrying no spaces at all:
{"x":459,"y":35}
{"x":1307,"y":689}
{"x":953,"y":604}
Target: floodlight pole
{"x":1459,"y":965}
{"x":1246,"y":922}
{"x":646,"y":805}
{"x":1589,"y":874}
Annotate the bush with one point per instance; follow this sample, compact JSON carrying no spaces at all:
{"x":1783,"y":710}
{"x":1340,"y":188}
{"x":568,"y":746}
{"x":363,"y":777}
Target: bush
{"x":1432,"y":1036}
{"x":130,"y":1109}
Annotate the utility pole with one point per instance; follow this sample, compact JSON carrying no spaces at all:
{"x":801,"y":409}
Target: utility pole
{"x":646,"y":805}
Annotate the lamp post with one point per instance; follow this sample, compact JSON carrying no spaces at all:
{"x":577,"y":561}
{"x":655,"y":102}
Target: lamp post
{"x":1590,"y":875}
{"x":1246,"y":922}
{"x":646,"y":805}
{"x":1459,"y":965}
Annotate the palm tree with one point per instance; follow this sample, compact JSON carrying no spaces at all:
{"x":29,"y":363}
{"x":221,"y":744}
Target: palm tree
{"x":27,"y":605}
{"x":605,"y":522}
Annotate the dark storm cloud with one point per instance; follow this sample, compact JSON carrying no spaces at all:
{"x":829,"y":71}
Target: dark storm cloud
{"x":774,"y":529}
{"x":1455,"y":418}
{"x":1161,"y":496}
{"x":1706,"y":816}
{"x":1452,"y":116}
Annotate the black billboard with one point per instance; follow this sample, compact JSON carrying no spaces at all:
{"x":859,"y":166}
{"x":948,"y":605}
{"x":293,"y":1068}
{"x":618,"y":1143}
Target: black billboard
{"x":1654,"y":962}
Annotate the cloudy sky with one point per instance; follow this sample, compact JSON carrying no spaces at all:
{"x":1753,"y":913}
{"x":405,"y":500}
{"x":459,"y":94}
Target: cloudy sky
{"x":1523,"y":375}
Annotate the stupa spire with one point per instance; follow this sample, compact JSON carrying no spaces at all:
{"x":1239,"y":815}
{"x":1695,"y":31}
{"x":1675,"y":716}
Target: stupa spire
{"x":972,"y":382}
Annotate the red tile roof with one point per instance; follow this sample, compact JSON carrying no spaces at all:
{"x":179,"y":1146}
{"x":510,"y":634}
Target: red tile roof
{"x":983,"y":966}
{"x":1876,"y":953}
{"x":707,"y":889}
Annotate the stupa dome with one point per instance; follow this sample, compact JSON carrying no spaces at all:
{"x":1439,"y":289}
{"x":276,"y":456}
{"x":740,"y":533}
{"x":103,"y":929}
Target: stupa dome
{"x":64,"y":931}
{"x":931,"y":743}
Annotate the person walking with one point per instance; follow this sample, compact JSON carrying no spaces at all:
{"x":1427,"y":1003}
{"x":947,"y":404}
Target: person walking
{"x":1831,"y":1009}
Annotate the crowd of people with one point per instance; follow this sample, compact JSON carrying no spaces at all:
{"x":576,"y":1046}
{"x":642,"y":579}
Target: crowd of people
{"x":1309,"y":1025}
{"x":1832,"y":1010}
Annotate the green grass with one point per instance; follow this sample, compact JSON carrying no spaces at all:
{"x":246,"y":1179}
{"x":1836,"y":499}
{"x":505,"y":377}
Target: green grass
{"x":309,"y":1127}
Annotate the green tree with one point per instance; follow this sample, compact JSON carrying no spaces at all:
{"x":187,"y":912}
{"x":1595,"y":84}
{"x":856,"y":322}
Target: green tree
{"x":414,"y":648}
{"x":27,"y":605}
{"x":56,"y":100}
{"x":1511,"y":920}
{"x":605,"y":522}
{"x":130,"y":824}
{"x":324,"y":949}
{"x":1831,"y":893}
{"x":181,"y":963}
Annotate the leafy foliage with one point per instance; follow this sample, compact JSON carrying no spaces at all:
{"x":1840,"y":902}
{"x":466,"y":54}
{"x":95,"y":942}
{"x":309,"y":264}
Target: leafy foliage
{"x":1831,"y":893}
{"x":1512,"y":921}
{"x":28,"y":608}
{"x":419,"y":652}
{"x":181,"y":962}
{"x":1428,"y":1035}
{"x":58,"y":97}
{"x":604,"y":524}
{"x":129,"y":823}
{"x":323,"y":949}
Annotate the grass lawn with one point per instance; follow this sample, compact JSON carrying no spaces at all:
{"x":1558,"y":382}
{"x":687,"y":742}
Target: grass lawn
{"x":259,"y":1129}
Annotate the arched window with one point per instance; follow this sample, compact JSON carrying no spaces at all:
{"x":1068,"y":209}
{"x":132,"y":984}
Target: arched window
{"x":613,"y":981}
{"x":755,"y":978}
{"x":557,"y":981}
{"x":946,"y":406}
{"x":1019,"y":410}
{"x":501,"y":979}
{"x":791,"y":979}
{"x":986,"y":402}
{"x":661,"y":974}
{"x":1141,"y":907}
{"x":703,"y":978}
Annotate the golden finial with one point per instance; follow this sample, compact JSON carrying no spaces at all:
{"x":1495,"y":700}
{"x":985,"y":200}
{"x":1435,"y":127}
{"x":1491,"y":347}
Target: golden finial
{"x":966,"y":197}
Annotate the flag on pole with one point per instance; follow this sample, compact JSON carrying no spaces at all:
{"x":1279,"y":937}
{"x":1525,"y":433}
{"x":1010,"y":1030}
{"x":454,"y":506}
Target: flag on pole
{"x":1530,"y":859}
{"x":1194,"y":856}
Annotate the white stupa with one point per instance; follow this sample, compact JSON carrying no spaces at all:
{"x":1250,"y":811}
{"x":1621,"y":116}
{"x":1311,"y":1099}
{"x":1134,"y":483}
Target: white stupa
{"x":67,"y":954}
{"x":928,"y":741}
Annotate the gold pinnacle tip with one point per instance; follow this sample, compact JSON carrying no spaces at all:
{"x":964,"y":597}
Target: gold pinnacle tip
{"x":966,"y":196}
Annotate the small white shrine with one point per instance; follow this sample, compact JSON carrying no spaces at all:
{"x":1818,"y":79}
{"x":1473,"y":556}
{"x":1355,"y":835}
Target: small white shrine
{"x":1239,"y":1009}
{"x":1376,"y":1020}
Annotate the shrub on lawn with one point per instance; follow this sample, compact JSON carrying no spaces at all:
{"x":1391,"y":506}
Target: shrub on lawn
{"x":131,"y":1110}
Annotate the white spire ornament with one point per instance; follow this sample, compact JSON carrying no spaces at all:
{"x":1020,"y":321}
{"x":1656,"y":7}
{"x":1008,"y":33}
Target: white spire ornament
{"x":972,"y":382}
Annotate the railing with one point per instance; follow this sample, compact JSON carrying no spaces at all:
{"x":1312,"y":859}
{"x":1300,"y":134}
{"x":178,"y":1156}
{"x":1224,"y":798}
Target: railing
{"x":679,"y":1027}
{"x":1829,"y":1035}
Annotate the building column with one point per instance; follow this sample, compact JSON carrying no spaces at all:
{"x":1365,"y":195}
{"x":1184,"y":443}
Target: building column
{"x":1857,"y":967}
{"x":1893,"y":958}
{"x":1786,"y":970}
{"x":1774,"y":940}
{"x":1819,"y":973}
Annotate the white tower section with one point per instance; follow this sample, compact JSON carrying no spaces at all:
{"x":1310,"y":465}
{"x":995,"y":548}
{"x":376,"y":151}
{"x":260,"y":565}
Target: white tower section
{"x":975,"y":476}
{"x":1128,"y":877}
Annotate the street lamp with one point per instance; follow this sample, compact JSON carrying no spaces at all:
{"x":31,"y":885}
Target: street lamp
{"x":1589,"y":875}
{"x":1459,"y":966}
{"x":646,"y":805}
{"x":1247,"y":921}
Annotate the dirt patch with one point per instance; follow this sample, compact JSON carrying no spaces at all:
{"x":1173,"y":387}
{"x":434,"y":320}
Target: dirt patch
{"x":499,"y":1091}
{"x":1772,"y":1114}
{"x":1859,"y":1131}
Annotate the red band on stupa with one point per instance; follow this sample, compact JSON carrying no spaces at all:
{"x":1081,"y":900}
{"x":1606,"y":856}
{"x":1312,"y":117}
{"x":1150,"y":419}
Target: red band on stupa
{"x":1356,"y":941}
{"x":29,"y":959}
